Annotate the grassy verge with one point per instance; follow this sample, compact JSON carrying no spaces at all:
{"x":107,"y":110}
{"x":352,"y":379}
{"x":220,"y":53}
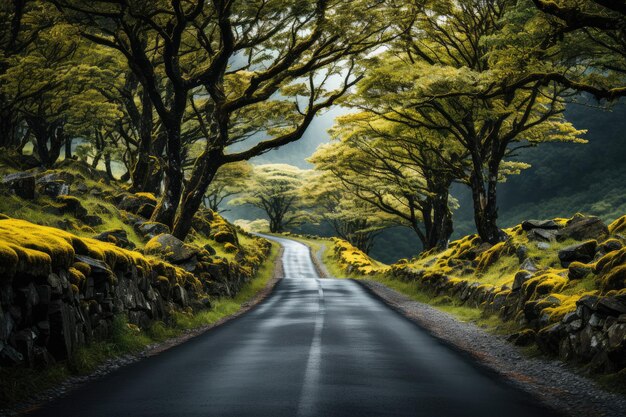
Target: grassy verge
{"x":19,"y":384}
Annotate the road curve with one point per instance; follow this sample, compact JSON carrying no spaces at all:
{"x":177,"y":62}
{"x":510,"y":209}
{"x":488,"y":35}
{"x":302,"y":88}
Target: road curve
{"x":314,"y":347}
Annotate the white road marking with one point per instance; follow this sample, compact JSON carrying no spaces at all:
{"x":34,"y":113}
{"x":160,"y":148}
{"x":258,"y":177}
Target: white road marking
{"x":314,"y":362}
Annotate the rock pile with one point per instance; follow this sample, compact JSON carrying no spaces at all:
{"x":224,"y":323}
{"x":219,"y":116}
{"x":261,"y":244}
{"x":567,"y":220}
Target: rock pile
{"x":586,"y":325}
{"x":59,"y":292}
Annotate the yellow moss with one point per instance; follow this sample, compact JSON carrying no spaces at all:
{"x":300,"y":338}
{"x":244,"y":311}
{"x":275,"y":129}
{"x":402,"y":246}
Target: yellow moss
{"x":76,"y":277}
{"x":149,"y":196}
{"x":230,"y":248}
{"x":615,"y":279}
{"x":491,"y":255}
{"x":618,"y":226}
{"x":8,"y":260}
{"x":82,"y":267}
{"x":561,"y":222}
{"x":544,"y":283}
{"x":568,"y":304}
{"x":349,"y":256}
{"x":37,"y":247}
{"x":68,"y":199}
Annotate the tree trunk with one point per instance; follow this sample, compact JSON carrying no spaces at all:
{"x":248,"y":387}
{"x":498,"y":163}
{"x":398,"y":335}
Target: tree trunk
{"x":68,"y":148}
{"x":204,"y":172}
{"x":165,"y":211}
{"x":49,"y":140}
{"x":107,"y":165}
{"x":7,"y":130}
{"x":442,"y":226}
{"x":142,"y":170}
{"x":486,"y":208}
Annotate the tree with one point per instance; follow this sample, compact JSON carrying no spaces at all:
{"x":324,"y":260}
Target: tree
{"x":237,"y":56}
{"x":384,"y":174}
{"x":275,"y":190}
{"x":53,"y":87}
{"x":353,"y":219}
{"x":592,"y":33}
{"x":448,"y":76}
{"x":231,"y":179}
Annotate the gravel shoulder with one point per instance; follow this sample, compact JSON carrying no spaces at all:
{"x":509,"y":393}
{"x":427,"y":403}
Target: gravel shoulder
{"x":151,"y":350}
{"x":552,"y":381}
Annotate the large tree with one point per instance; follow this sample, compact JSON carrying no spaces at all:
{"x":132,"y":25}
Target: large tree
{"x":399,"y":177}
{"x":451,"y":75}
{"x":52,"y":88}
{"x":352,"y":218}
{"x":240,"y":61}
{"x":274,"y":188}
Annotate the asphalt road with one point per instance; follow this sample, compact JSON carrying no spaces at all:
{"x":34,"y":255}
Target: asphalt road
{"x":314,"y":347}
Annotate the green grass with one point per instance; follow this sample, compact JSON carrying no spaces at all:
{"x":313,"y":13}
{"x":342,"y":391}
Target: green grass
{"x":19,"y":384}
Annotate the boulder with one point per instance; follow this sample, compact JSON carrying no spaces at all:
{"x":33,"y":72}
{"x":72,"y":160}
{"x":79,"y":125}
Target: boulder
{"x":522,"y":253}
{"x":170,"y":248}
{"x":118,"y":237}
{"x":545,"y":235}
{"x":582,"y":228}
{"x":97,"y":266}
{"x":520,"y":278}
{"x":81,"y":188}
{"x":21,"y":184}
{"x":225,"y":237}
{"x":9,"y":356}
{"x":581,"y":252}
{"x":612,"y":306}
{"x":529,"y":265}
{"x":577,"y":270}
{"x":524,"y":338}
{"x":72,"y":205}
{"x":146,"y":210}
{"x":53,"y":188}
{"x":539,"y":224}
{"x":617,"y":335}
{"x":543,"y":245}
{"x":92,"y":220}
{"x":134,"y":203}
{"x":152,"y":229}
{"x":51,"y":176}
{"x":209,"y":249}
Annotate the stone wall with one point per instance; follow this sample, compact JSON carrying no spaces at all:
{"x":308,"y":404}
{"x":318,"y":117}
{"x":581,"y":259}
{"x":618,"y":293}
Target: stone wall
{"x":59,"y":292}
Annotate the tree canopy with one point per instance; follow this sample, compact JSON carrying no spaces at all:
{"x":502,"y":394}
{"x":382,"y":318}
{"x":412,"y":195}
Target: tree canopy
{"x":173,"y":97}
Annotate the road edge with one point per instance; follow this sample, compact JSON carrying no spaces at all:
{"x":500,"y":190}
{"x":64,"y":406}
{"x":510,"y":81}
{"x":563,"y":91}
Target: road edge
{"x":560,"y":400}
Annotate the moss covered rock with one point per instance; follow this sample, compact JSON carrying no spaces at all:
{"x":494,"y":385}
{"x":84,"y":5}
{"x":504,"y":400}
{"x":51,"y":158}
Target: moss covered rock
{"x":170,"y":248}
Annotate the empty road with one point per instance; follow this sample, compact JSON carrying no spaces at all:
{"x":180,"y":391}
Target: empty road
{"x":314,"y":347}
